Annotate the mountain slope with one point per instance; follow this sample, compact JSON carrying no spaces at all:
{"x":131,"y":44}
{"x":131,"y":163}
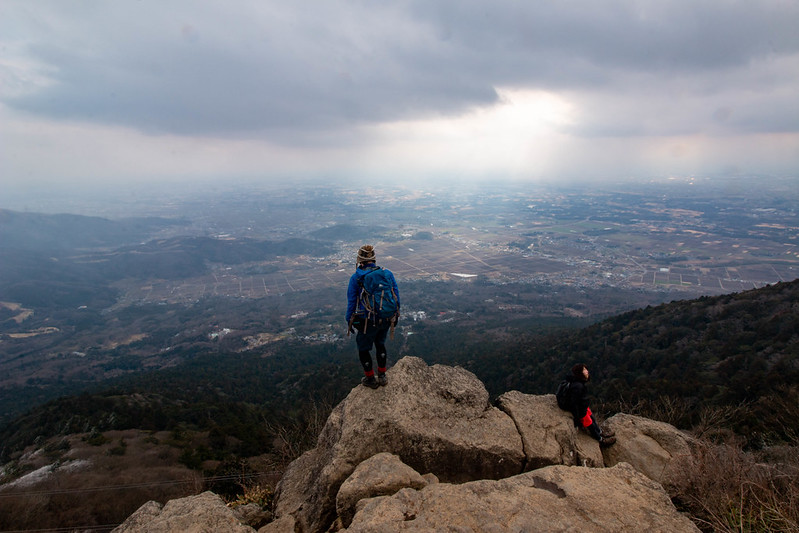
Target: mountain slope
{"x":737,"y":350}
{"x":40,"y":232}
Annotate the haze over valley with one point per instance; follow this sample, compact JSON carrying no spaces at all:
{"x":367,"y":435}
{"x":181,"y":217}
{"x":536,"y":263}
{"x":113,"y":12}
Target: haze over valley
{"x":86,"y":299}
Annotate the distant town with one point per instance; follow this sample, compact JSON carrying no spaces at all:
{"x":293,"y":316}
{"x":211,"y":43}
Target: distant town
{"x":679,"y":237}
{"x":143,"y":282}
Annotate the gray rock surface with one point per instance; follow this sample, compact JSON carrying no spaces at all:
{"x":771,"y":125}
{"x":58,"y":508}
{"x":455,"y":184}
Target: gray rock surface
{"x":548,"y":432}
{"x":281,"y":525}
{"x":203,"y":513}
{"x":486,"y":469}
{"x":140,"y":519}
{"x":649,"y":446}
{"x":380,"y":475}
{"x":555,"y":498}
{"x":252,"y":515}
{"x":435,"y":418}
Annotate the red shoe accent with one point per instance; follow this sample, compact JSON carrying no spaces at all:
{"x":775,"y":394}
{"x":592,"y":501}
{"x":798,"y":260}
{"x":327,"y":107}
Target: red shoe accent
{"x":370,"y":373}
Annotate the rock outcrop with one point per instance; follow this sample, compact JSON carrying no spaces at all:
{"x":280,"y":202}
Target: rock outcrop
{"x":555,"y":498}
{"x":548,"y":432}
{"x":204,"y":513}
{"x":517,"y":465}
{"x":436,"y":419}
{"x":380,"y":475}
{"x":649,"y":446}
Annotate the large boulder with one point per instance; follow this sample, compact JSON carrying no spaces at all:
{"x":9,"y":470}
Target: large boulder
{"x":649,"y":446}
{"x":555,"y":498}
{"x":203,"y":513}
{"x":380,"y":475}
{"x":548,"y":433}
{"x":437,"y":419}
{"x":519,"y":466}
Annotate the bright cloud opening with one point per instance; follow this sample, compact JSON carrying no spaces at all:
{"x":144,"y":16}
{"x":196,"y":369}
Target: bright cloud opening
{"x":514,"y":137}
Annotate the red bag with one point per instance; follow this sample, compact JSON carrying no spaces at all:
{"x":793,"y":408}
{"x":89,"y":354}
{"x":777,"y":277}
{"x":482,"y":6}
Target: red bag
{"x":587,"y":421}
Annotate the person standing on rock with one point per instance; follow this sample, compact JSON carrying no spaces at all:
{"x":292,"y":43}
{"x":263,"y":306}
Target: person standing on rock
{"x":373,"y":304}
{"x":577,"y":401}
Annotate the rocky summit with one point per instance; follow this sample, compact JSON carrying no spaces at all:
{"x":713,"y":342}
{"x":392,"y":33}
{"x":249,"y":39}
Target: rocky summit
{"x":430,"y":452}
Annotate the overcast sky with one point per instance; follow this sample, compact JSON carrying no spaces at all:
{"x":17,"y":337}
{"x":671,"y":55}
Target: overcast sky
{"x":160,"y":90}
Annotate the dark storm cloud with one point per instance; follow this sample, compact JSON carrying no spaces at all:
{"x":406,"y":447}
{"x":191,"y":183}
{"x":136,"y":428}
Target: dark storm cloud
{"x":260,"y":72}
{"x":241,"y":68}
{"x":663,"y":36}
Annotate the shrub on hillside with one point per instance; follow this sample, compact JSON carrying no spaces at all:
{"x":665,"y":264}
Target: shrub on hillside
{"x":726,"y":489}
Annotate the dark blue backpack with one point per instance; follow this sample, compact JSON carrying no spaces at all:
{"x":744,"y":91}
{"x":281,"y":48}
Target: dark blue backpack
{"x":377,"y":295}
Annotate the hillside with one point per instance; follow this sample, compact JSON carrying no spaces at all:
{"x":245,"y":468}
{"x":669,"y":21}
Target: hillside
{"x":725,"y":363}
{"x":733,"y":351}
{"x":46,"y":233}
{"x":736,"y":351}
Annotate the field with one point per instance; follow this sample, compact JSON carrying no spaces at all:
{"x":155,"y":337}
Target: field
{"x":263,"y":268}
{"x":618,"y":259}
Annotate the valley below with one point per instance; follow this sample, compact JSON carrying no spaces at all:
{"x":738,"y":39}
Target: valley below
{"x":246,"y":272}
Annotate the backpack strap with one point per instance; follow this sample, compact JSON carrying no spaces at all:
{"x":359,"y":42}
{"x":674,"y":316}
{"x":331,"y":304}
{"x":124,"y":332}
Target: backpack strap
{"x":370,"y":309}
{"x":371,"y":268}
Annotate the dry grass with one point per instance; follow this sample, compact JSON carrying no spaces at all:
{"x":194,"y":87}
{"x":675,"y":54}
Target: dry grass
{"x":96,"y":480}
{"x":114,"y":480}
{"x":724,"y":486}
{"x":669,"y":409}
{"x":295,"y":438}
{"x":726,"y":489}
{"x":257,"y":493}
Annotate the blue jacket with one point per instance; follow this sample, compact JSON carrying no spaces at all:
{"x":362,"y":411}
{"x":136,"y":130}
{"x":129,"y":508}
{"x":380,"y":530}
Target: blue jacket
{"x":353,"y":291}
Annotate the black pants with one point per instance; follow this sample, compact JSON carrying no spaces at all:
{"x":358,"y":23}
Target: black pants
{"x":375,"y":335}
{"x":594,"y":430}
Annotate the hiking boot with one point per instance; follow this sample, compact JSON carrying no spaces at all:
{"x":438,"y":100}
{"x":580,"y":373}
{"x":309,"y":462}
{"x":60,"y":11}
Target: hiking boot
{"x":370,"y":382}
{"x":607,"y":442}
{"x":382,"y":380}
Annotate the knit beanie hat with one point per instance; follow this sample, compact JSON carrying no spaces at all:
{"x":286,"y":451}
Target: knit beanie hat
{"x":366,"y":253}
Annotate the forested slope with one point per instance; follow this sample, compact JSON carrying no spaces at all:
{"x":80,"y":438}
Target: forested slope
{"x":738,"y":350}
